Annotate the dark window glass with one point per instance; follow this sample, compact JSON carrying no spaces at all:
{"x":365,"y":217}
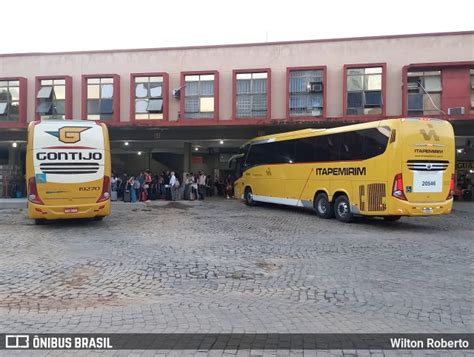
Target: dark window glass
{"x":354,"y":99}
{"x":374,"y":142}
{"x":4,"y":94}
{"x":93,"y":106}
{"x":44,"y":107}
{"x":354,"y":145}
{"x":106,"y":106}
{"x":373,"y":99}
{"x":59,"y":107}
{"x":259,"y":154}
{"x":155,"y":106}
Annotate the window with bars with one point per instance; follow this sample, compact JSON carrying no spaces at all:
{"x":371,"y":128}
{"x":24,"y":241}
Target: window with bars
{"x":472,"y":91}
{"x":251,"y":95}
{"x":364,"y":91}
{"x":51,"y":99}
{"x":424,"y":93}
{"x":149,"y":97}
{"x":100,"y":98}
{"x":306,"y":92}
{"x":199,"y":96}
{"x":9,"y":100}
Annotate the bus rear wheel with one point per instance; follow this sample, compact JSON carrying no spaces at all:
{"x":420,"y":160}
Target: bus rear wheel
{"x":342,"y":209}
{"x":323,"y":207}
{"x":248,"y":197}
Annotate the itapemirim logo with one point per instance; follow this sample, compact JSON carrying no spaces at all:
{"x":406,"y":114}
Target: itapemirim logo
{"x":69,"y":134}
{"x":430,"y":134}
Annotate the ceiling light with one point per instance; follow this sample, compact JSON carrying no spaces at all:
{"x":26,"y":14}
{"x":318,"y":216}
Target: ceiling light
{"x":196,"y":149}
{"x":221,"y":142}
{"x":126,"y":143}
{"x":139,"y":153}
{"x":14,"y":145}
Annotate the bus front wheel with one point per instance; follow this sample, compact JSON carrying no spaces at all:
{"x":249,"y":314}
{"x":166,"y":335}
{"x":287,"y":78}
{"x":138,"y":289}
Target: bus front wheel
{"x":342,"y":209}
{"x":323,"y":207}
{"x":248,"y":197}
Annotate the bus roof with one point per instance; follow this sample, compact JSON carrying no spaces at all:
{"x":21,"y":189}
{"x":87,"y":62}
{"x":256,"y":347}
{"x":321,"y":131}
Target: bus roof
{"x":304,"y":133}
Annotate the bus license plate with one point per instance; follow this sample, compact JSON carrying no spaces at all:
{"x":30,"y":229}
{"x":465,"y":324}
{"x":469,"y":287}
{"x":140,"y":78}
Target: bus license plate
{"x":70,"y":210}
{"x":427,"y":181}
{"x":427,"y":210}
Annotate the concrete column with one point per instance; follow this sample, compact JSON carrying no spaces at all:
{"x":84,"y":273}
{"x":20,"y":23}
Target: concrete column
{"x":187,"y":157}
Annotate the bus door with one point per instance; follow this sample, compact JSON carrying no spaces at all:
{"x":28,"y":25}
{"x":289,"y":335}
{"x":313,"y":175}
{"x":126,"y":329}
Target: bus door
{"x":427,"y":159}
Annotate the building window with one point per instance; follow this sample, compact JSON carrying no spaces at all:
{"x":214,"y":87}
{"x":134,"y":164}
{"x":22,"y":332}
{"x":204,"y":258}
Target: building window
{"x":472,"y":91}
{"x":364,"y":91}
{"x":51,"y":99}
{"x":199,"y":96}
{"x":424,"y":93}
{"x":9,"y":100}
{"x":251,"y":95}
{"x":306,"y":92}
{"x":100,"y":98}
{"x":149,"y":100}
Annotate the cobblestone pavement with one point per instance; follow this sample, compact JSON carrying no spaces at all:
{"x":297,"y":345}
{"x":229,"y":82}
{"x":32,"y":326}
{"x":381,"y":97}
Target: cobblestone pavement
{"x":219,"y":266}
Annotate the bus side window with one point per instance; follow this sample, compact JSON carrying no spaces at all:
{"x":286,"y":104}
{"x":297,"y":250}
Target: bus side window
{"x":305,"y":150}
{"x":335,"y":147}
{"x":375,"y":143}
{"x":321,"y":148}
{"x":352,"y":145}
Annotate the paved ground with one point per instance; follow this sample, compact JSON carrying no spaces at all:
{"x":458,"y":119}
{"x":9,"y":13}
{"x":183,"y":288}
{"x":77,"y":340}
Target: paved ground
{"x":219,"y":266}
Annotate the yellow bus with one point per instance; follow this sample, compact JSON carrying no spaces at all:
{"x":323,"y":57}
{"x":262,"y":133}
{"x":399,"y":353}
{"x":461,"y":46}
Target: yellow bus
{"x":389,"y":168}
{"x":68,"y":170}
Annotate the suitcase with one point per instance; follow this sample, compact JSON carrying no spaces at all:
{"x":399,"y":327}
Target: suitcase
{"x":168,"y":196}
{"x":127,"y":196}
{"x":113,"y":196}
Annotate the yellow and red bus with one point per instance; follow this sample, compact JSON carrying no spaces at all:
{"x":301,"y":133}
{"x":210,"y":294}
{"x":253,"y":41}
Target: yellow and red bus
{"x":389,"y":168}
{"x":68,"y":170}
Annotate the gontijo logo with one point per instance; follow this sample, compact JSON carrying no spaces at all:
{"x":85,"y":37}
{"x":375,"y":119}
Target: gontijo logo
{"x":69,"y":134}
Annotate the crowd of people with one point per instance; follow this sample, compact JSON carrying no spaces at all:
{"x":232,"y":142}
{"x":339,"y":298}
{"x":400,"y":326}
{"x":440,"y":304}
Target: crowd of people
{"x":168,"y":185}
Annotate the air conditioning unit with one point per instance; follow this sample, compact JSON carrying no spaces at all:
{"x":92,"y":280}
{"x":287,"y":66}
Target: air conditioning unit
{"x":176,"y":93}
{"x":412,"y":85}
{"x":456,"y":111}
{"x":314,"y":87}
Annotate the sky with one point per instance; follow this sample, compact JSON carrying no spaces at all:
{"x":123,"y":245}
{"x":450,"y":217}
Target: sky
{"x":75,"y":25}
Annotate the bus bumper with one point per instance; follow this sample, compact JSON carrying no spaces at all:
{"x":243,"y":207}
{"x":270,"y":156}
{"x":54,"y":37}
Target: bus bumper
{"x":36,"y":211}
{"x":404,"y":208}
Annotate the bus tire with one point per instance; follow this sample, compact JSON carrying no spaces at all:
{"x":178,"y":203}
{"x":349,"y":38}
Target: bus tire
{"x":39,"y":222}
{"x":391,"y":218}
{"x":322,"y":206}
{"x":248,"y":197}
{"x":342,"y":209}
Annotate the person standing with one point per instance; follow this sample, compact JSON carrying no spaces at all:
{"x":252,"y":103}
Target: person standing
{"x":147,"y":184}
{"x":174,"y":186}
{"x":202,"y":185}
{"x":133,"y":191}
